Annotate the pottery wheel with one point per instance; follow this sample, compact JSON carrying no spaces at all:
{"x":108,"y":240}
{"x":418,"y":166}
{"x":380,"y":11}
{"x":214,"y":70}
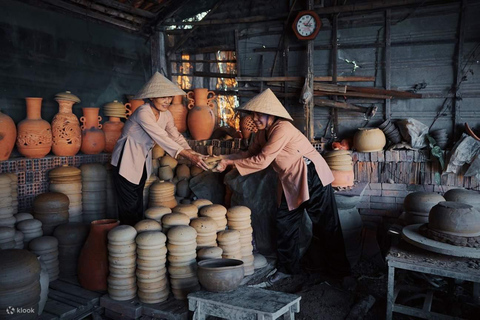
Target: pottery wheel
{"x":412,"y":235}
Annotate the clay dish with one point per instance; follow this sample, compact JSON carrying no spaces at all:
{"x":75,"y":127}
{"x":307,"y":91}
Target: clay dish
{"x":213,"y":211}
{"x":156,"y":213}
{"x":336,"y":153}
{"x":177,"y":249}
{"x":64,"y":171}
{"x":175,"y":219}
{"x":455,"y":218}
{"x":30,"y":224}
{"x":200,"y":203}
{"x":19,"y":268}
{"x":204,"y":225}
{"x":239,"y":212}
{"x":50,"y":201}
{"x":93,"y":172}
{"x":151,"y":238}
{"x":122,"y":234}
{"x":7,"y":233}
{"x":228,"y":236}
{"x":190,"y":210}
{"x":209,"y":253}
{"x":181,"y":234}
{"x":148,"y":225}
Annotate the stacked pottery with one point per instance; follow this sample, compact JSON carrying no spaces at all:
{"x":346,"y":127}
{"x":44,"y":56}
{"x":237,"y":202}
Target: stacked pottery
{"x":200,"y":203}
{"x":68,"y":180}
{"x":31,"y":229}
{"x":122,"y":283}
{"x":94,"y":194}
{"x":34,"y":135}
{"x":44,"y":284}
{"x":179,"y":113}
{"x":14,"y":191}
{"x":66,"y":132}
{"x":206,"y":231}
{"x":52,"y":209}
{"x":93,"y":138}
{"x":18,"y":239}
{"x":209,"y":253}
{"x":168,"y":160}
{"x":151,"y":271}
{"x":8,"y":132}
{"x":174,"y":219}
{"x":113,"y":127}
{"x":238,"y":218}
{"x":183,"y":189}
{"x":190,"y":210}
{"x":157,"y":152}
{"x":22,"y":216}
{"x":470,"y":197}
{"x":201,"y":119}
{"x":46,"y":248}
{"x":111,"y":194}
{"x":7,"y":238}
{"x":162,"y":194}
{"x":441,"y":137}
{"x":132,"y":105}
{"x":418,"y":205}
{"x":182,"y":171}
{"x":165,"y":173}
{"x":182,"y":255}
{"x":71,"y":237}
{"x":341,"y":164}
{"x":391,"y":131}
{"x":217,"y":212}
{"x":7,"y":209}
{"x":455,"y":218}
{"x":147,"y":225}
{"x":229,"y":241}
{"x":156,"y":213}
{"x":19,"y":283}
{"x":369,"y":140}
{"x":146,"y":190}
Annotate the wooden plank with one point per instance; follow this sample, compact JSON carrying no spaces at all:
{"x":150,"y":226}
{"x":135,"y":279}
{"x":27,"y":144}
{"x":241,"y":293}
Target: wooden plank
{"x":237,"y":54}
{"x":75,"y":290}
{"x":59,"y":309}
{"x":352,"y":94}
{"x":252,"y":19}
{"x":127,"y":8}
{"x":71,"y":297}
{"x":47,"y":316}
{"x":371,"y":5}
{"x":393,"y":93}
{"x":130,"y":308}
{"x":388,"y":61}
{"x":333,"y":61}
{"x":214,"y":75}
{"x":341,"y":105}
{"x":282,"y":79}
{"x":171,"y":309}
{"x":65,"y":300}
{"x":310,"y":105}
{"x":330,"y":87}
{"x":345,"y":79}
{"x":458,"y":61}
{"x":109,"y":11}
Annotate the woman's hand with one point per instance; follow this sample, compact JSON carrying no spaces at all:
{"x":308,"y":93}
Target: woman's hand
{"x":222,"y":165}
{"x":195,"y":158}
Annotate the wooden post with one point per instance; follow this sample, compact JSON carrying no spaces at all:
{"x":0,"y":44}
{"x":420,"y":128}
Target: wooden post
{"x":309,"y":107}
{"x":159,"y":60}
{"x":388,"y":61}
{"x":334,"y":59}
{"x":456,"y":104}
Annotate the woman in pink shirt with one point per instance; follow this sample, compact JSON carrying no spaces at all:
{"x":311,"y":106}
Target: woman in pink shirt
{"x":305,"y":184}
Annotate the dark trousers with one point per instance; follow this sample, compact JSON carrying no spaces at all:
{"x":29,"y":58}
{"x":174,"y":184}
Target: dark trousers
{"x":326,"y":251}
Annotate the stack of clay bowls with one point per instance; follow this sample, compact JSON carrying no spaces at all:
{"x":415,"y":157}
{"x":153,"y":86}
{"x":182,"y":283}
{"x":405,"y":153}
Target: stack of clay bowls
{"x":417,"y":206}
{"x":151,"y":271}
{"x":146,"y":190}
{"x":46,"y":248}
{"x":19,"y":283}
{"x":21,"y":216}
{"x":111,"y":195}
{"x":174,"y":219}
{"x":156,"y":213}
{"x":209,"y":253}
{"x":200,"y":203}
{"x":7,"y":209}
{"x":18,"y":239}
{"x":94,"y":194}
{"x":238,"y":218}
{"x":470,"y":197}
{"x":441,"y":137}
{"x":340,"y":162}
{"x":71,"y":237}
{"x":182,"y":255}
{"x":217,"y":212}
{"x":122,"y":283}
{"x":206,"y":231}
{"x":190,"y":210}
{"x":14,"y":190}
{"x":229,"y":241}
{"x":369,"y":140}
{"x":391,"y":131}
{"x":7,"y":238}
{"x":165,"y":173}
{"x":31,"y":229}
{"x":455,"y":218}
{"x":52,"y":209}
{"x":68,"y":180}
{"x":162,"y":193}
{"x":147,"y":225}
{"x":114,"y":109}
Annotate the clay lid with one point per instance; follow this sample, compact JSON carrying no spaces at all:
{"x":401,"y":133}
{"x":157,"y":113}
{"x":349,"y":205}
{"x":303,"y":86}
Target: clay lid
{"x":190,"y":210}
{"x":455,"y":218}
{"x":213,"y":211}
{"x":114,"y":104}
{"x":151,"y":238}
{"x":64,"y":171}
{"x":421,"y":201}
{"x":67,"y":96}
{"x":162,"y":187}
{"x":239,"y":212}
{"x":122,"y":233}
{"x":173,"y":219}
{"x":156,"y":213}
{"x":148,"y":225}
{"x":336,"y":153}
{"x":6,"y":233}
{"x":202,"y":203}
{"x":209,"y":252}
{"x":50,"y":201}
{"x":228,"y":235}
{"x":43,"y":243}
{"x":204,"y":224}
{"x":29,"y":224}
{"x":7,"y":222}
{"x":21,"y":216}
{"x":182,"y":233}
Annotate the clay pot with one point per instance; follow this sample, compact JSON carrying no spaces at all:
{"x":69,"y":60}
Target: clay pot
{"x":343,"y":178}
{"x":8,"y":135}
{"x":66,"y":132}
{"x":421,"y":201}
{"x":157,"y":152}
{"x":369,"y":140}
{"x":220,"y":275}
{"x":465,"y":196}
{"x":168,"y":160}
{"x":179,"y":113}
{"x":247,"y":126}
{"x":132,"y":105}
{"x":201,"y":119}
{"x":93,"y":138}
{"x":112,"y":129}
{"x":34,"y":135}
{"x":455,"y":218}
{"x":165,"y":173}
{"x":93,"y":259}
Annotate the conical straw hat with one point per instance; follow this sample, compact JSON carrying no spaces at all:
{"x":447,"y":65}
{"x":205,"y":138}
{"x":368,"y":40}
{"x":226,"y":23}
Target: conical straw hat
{"x":158,"y":86}
{"x":266,"y":102}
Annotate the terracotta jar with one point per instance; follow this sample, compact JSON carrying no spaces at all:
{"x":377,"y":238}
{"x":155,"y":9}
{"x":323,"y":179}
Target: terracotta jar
{"x":247,"y":126}
{"x":8,"y":135}
{"x":66,"y":132}
{"x":179,"y":113}
{"x":93,"y":138}
{"x":369,"y":140}
{"x":34,"y":135}
{"x":201,"y":119}
{"x":132,"y":105}
{"x":93,"y":259}
{"x":112,"y":129}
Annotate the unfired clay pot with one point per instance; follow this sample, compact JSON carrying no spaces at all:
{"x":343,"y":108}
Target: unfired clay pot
{"x":179,"y":113}
{"x":112,"y":129}
{"x":8,"y":135}
{"x":201,"y":120}
{"x":220,"y":275}
{"x":66,"y":132}
{"x":470,"y":197}
{"x":369,"y":140}
{"x":455,"y":218}
{"x":421,"y":201}
{"x":93,"y":138}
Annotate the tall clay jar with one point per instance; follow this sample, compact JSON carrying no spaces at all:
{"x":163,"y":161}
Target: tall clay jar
{"x":93,"y":259}
{"x":201,"y":119}
{"x":132,"y":105}
{"x":34,"y":135}
{"x":66,"y":132}
{"x":8,"y":135}
{"x":179,"y":113}
{"x":93,"y":138}
{"x":112,"y":129}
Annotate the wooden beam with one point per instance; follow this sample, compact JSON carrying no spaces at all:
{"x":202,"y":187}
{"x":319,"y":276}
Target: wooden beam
{"x":330,"y":87}
{"x":205,"y":61}
{"x":393,"y":93}
{"x":388,"y":61}
{"x":109,"y":11}
{"x":345,"y":79}
{"x":458,"y":61}
{"x":334,"y":60}
{"x":252,"y":19}
{"x":126,"y":8}
{"x":352,"y":94}
{"x":341,"y":105}
{"x":309,"y":106}
{"x":252,"y":79}
{"x":237,"y":53}
{"x":206,"y":74}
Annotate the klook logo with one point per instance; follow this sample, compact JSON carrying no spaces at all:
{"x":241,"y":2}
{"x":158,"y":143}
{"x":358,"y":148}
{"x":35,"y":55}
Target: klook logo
{"x":10,"y":310}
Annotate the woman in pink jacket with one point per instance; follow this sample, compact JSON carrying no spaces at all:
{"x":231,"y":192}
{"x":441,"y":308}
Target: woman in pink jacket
{"x":305,"y":184}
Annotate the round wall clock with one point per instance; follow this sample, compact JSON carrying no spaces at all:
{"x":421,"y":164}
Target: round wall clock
{"x":306,"y":25}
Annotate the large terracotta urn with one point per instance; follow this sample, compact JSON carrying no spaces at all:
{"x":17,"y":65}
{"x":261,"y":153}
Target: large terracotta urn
{"x":201,"y":119}
{"x":93,"y":138}
{"x":369,"y":140}
{"x":34,"y":135}
{"x":112,"y":129}
{"x":179,"y":113}
{"x":93,"y":259}
{"x":132,"y":105}
{"x":8,"y":135}
{"x":66,"y":132}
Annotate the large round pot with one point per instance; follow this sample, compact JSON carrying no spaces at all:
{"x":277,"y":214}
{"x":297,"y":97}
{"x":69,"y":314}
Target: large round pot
{"x":93,"y":138}
{"x":465,"y":196}
{"x":369,"y":140}
{"x":112,"y":129}
{"x":455,"y":218}
{"x":220,"y":275}
{"x":421,"y":201}
{"x":8,"y":135}
{"x":201,"y":119}
{"x":179,"y":112}
{"x":343,"y":178}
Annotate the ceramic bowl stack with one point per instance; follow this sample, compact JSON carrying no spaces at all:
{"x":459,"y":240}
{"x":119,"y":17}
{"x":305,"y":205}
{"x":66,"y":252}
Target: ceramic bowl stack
{"x":151,"y":270}
{"x":341,"y":164}
{"x":21,"y":216}
{"x":441,"y":137}
{"x":238,"y":218}
{"x":209,"y":253}
{"x":114,"y":109}
{"x":190,"y":210}
{"x":71,"y":237}
{"x":46,"y":248}
{"x":206,"y":231}
{"x":6,"y":202}
{"x":122,"y":283}
{"x":94,"y":194}
{"x":217,"y":212}
{"x":156,"y":213}
{"x":19,"y":283}
{"x":147,"y":225}
{"x":470,"y":197}
{"x":68,"y":180}
{"x":162,"y":193}
{"x":146,"y":190}
{"x":174,"y":219}
{"x":391,"y":131}
{"x":418,"y":205}
{"x":14,"y":189}
{"x":165,"y":173}
{"x":229,"y":241}
{"x":7,"y":238}
{"x":52,"y":209}
{"x":182,"y":256}
{"x":31,"y":229}
{"x":200,"y":203}
{"x":111,"y":195}
{"x":18,"y":239}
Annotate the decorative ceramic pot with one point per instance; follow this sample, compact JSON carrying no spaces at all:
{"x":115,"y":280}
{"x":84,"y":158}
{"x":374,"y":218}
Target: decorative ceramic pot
{"x":369,"y":140}
{"x":112,"y":129}
{"x":34,"y":135}
{"x":66,"y":132}
{"x":93,"y":259}
{"x":132,"y":105}
{"x":247,"y":126}
{"x":179,"y":113}
{"x":455,"y":218}
{"x":201,"y":120}
{"x":93,"y":138}
{"x":8,"y":135}
{"x":220,"y":275}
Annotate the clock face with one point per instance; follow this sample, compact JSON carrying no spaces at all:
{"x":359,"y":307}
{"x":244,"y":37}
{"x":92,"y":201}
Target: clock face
{"x":306,"y":25}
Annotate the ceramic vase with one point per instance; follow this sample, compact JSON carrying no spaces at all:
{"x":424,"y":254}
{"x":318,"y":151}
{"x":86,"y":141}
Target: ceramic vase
{"x":34,"y":135}
{"x":179,"y":113}
{"x":132,"y":105}
{"x":112,"y":129}
{"x":201,"y":119}
{"x":8,"y":134}
{"x":93,"y":138}
{"x":66,"y":132}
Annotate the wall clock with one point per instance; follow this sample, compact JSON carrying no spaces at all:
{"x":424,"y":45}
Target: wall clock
{"x":306,"y":25}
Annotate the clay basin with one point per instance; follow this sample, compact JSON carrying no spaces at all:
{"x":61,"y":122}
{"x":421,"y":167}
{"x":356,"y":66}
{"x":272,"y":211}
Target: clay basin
{"x":220,"y":275}
{"x":455,"y":218}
